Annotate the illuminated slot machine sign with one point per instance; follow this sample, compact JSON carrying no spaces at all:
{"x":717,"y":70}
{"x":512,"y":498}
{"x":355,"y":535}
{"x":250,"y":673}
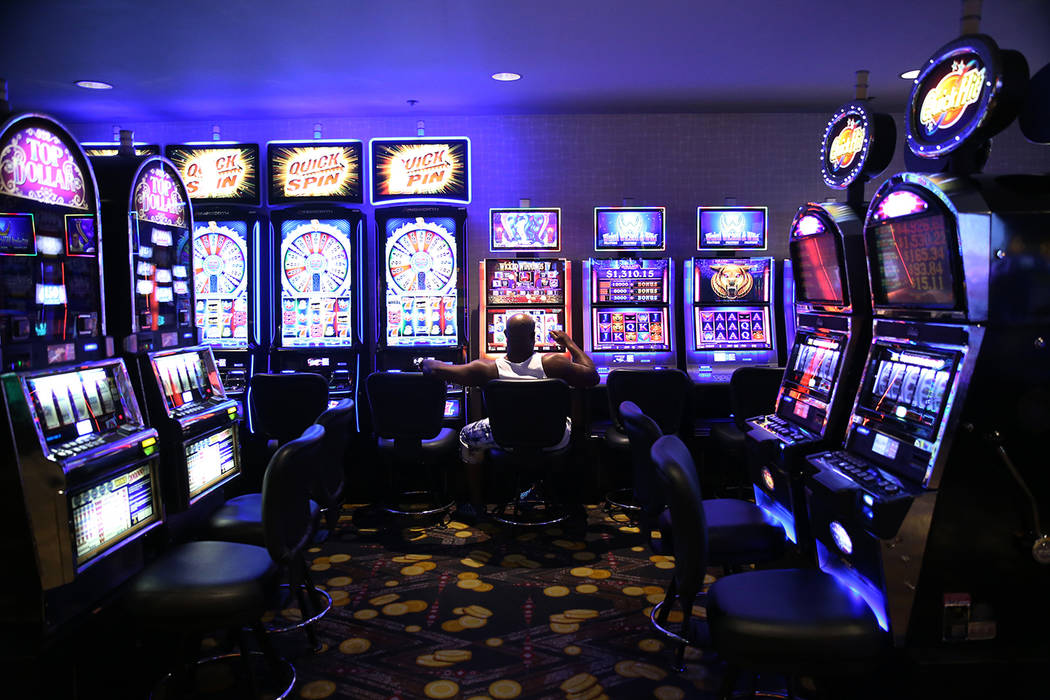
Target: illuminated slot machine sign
{"x":524,"y":229}
{"x":315,"y":170}
{"x":187,"y":379}
{"x":732,"y":309}
{"x":161,"y":236}
{"x":103,"y":149}
{"x":810,"y":378}
{"x":421,"y":276}
{"x":413,"y":169}
{"x":547,"y":319}
{"x":525,"y":282}
{"x":220,"y":264}
{"x":817,"y":259}
{"x":731,"y":228}
{"x":629,"y":228}
{"x":316,"y":263}
{"x":49,"y":239}
{"x":625,"y":288}
{"x":218,"y":172}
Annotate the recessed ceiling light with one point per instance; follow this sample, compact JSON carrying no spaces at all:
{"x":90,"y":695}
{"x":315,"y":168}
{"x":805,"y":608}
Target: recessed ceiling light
{"x":910,"y":74}
{"x":93,"y":85}
{"x":506,"y":77}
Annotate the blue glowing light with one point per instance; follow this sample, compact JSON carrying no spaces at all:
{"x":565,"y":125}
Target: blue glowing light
{"x":841,"y":537}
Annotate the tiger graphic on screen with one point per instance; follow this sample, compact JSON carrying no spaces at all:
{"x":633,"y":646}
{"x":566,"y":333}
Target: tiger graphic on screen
{"x":731,"y":281}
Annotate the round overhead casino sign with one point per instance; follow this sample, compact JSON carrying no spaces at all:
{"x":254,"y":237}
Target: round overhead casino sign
{"x":857,"y":145}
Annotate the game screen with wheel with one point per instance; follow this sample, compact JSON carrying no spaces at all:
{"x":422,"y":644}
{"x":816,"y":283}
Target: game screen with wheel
{"x":220,"y":279}
{"x":547,"y":320}
{"x":315,"y":264}
{"x":422,"y":273}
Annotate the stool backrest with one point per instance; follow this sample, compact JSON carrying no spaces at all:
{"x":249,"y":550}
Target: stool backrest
{"x":338,"y":424}
{"x":661,"y":394}
{"x":675,"y":466}
{"x":406,"y":405}
{"x":753,"y":392}
{"x":527,"y":415}
{"x":289,"y":478}
{"x":642,"y":431}
{"x":282,"y":406}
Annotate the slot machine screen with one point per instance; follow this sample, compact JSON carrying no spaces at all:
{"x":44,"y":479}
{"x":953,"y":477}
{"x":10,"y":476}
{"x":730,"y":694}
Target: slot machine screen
{"x":912,"y":263}
{"x":732,"y":280}
{"x":422,"y":272}
{"x":162,"y":282}
{"x":220,"y":279}
{"x":525,"y":282}
{"x":817,"y":261}
{"x":83,"y":402}
{"x":731,"y":228}
{"x":732,"y":328}
{"x":630,"y":281}
{"x":17,"y":234}
{"x":810,"y":378}
{"x":218,"y":173}
{"x":113,"y":510}
{"x":210,"y":460}
{"x":630,"y":328}
{"x":186,"y":377}
{"x":315,"y":266}
{"x":547,"y":320}
{"x":629,"y":228}
{"x":524,"y":229}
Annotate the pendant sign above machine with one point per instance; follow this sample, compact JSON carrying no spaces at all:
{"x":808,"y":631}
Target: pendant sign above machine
{"x":36,"y":164}
{"x":218,"y":173}
{"x":430,"y":169}
{"x":857,"y":145}
{"x":158,"y":198}
{"x":301,"y":170}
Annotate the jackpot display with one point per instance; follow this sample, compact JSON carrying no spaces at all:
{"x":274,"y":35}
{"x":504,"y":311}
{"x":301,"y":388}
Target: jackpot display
{"x":428,"y":169}
{"x":524,"y":229}
{"x":316,"y":264}
{"x":910,"y":254}
{"x":218,"y":172}
{"x":731,"y":228}
{"x":315,"y":170}
{"x":421,"y":271}
{"x":538,"y":287}
{"x":220,"y":279}
{"x":629,"y":228}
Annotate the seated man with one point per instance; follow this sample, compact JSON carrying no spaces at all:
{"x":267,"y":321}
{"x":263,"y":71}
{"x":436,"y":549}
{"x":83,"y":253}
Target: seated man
{"x":521,"y":362}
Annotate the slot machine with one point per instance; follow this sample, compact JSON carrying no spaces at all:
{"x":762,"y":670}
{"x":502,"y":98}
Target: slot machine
{"x":78,"y":462}
{"x":627,"y":320}
{"x":730,"y":311}
{"x":229,"y":259}
{"x":833,"y":307}
{"x":540,"y":287}
{"x":420,"y":255}
{"x":930,"y":509}
{"x":319,"y":253}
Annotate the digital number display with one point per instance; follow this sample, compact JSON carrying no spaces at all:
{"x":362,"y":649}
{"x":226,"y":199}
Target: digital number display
{"x":211,"y":460}
{"x":422,"y":273}
{"x":112,"y":510}
{"x":316,"y":264}
{"x":524,"y":281}
{"x":546,"y":320}
{"x":630,"y":329}
{"x":732,"y":280}
{"x":220,"y":280}
{"x":744,"y":328}
{"x":913,"y":263}
{"x":627,"y":281}
{"x":818,"y":269}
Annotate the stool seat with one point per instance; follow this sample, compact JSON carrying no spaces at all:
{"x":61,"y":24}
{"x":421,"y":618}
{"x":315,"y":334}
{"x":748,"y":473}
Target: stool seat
{"x":738,"y":532}
{"x":436,"y":447}
{"x":729,"y":437}
{"x":786,"y":619}
{"x":617,"y":439}
{"x":240,"y":519}
{"x":209,"y":585}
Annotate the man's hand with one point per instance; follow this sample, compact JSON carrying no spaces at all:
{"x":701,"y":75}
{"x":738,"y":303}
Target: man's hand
{"x":427,"y":365}
{"x":560,"y":337}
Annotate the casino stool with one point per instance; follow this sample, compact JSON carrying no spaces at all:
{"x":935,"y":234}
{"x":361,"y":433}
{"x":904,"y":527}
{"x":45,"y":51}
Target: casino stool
{"x":528,"y":419}
{"x":663,"y":395}
{"x":789,"y":621}
{"x":338,"y":424}
{"x":282,"y":406}
{"x":752,"y":392}
{"x":199,"y":587}
{"x":408,"y":413}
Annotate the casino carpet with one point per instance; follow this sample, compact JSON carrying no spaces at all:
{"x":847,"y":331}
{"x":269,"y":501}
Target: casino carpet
{"x":451,"y":611}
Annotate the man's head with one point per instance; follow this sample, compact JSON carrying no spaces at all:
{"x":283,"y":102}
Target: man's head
{"x":521,"y":334}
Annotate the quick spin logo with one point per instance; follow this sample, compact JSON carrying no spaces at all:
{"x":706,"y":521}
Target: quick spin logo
{"x":846,"y":145}
{"x":421,"y":169}
{"x":317,"y":171}
{"x":945,"y":103}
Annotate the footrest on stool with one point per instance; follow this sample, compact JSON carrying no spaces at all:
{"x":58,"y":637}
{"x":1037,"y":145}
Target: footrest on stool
{"x":162,"y":691}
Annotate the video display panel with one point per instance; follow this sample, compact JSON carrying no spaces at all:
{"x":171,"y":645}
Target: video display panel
{"x":84,"y":402}
{"x":732,"y":328}
{"x":815,"y":362}
{"x":732,"y":280}
{"x":912,"y":263}
{"x":629,"y":228}
{"x":186,"y":377}
{"x":220,"y":173}
{"x":17,"y":234}
{"x":524,"y":281}
{"x":220,"y":280}
{"x":547,"y":320}
{"x":315,"y":267}
{"x":422,"y":273}
{"x":112,"y":510}
{"x":210,"y":460}
{"x":163,"y":249}
{"x":630,"y":328}
{"x":304,"y":170}
{"x":524,"y":229}
{"x":431,"y":169}
{"x":731,"y":228}
{"x":818,"y":269}
{"x":630,"y":281}
{"x":904,"y":390}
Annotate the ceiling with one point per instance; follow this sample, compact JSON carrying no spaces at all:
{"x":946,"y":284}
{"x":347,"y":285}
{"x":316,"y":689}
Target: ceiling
{"x":245,"y":59}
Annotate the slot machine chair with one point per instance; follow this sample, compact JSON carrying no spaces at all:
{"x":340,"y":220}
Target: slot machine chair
{"x":199,"y":587}
{"x":282,"y":406}
{"x":663,"y":395}
{"x":408,"y":413}
{"x":752,"y":392}
{"x":338,"y":424}
{"x":528,"y":420}
{"x":788,"y":621}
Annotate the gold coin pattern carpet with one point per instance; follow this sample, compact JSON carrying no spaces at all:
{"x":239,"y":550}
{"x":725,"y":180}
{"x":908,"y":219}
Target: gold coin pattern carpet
{"x":452,"y":611}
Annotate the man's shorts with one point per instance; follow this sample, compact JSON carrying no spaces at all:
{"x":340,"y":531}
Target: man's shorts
{"x":476,"y":438}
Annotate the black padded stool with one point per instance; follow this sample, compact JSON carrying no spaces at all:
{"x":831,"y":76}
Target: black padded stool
{"x":408,"y":413}
{"x":339,"y":429}
{"x":281,"y":407}
{"x":790,"y":621}
{"x":199,"y":587}
{"x":663,"y":395}
{"x":752,"y":392}
{"x":528,"y":421}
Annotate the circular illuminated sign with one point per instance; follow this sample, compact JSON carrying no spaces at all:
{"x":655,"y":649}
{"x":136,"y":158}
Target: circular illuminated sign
{"x":857,"y":145}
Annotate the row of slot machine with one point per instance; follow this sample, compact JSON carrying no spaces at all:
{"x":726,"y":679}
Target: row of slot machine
{"x":906,"y":455}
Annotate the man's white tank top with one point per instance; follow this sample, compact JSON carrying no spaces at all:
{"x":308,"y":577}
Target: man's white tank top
{"x":531,"y":368}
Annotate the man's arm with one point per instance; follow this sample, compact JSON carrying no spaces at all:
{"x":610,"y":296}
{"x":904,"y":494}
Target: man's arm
{"x":475,"y":373}
{"x":577,"y":369}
